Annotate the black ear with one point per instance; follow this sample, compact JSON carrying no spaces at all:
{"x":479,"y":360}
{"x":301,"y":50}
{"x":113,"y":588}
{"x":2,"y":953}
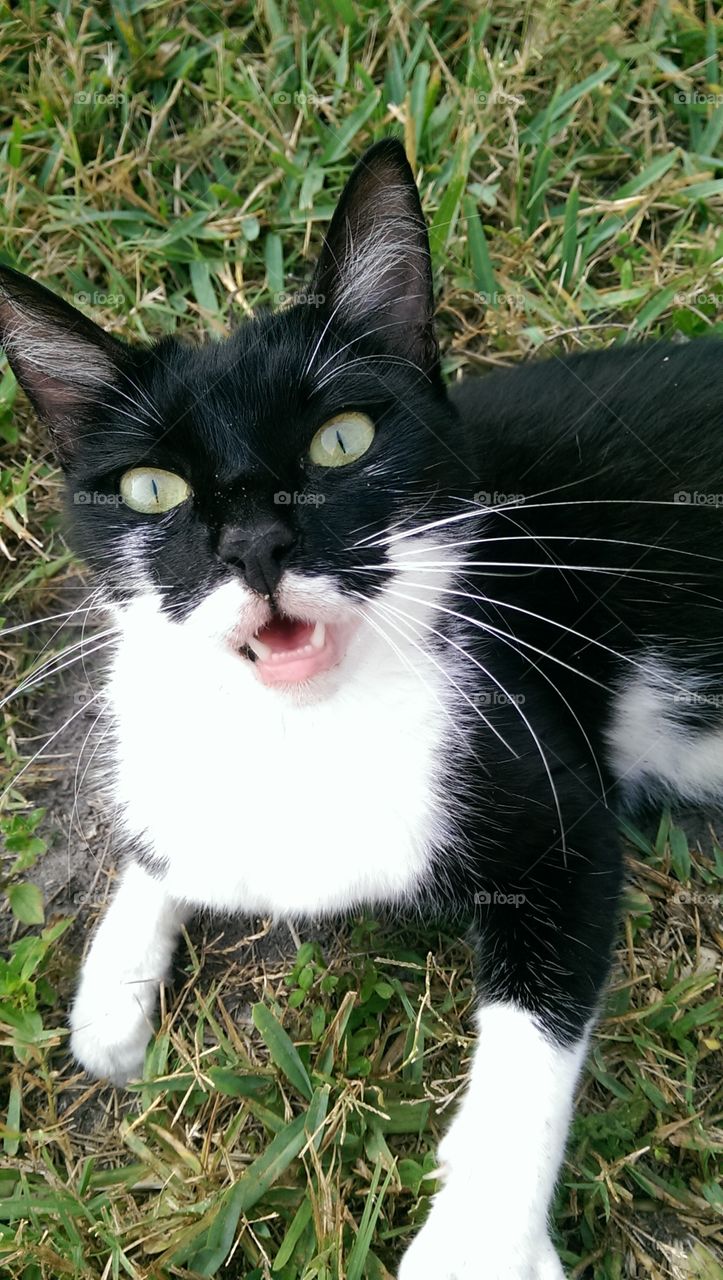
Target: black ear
{"x":375,"y":270}
{"x":62,"y":360}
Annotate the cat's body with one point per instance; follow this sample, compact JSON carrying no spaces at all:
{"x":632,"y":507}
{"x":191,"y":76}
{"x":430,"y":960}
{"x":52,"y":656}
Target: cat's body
{"x":416,"y":740}
{"x":507,"y":622}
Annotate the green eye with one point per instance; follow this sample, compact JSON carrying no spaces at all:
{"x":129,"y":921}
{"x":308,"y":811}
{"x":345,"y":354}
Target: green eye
{"x":152,"y":491}
{"x":341,"y":440}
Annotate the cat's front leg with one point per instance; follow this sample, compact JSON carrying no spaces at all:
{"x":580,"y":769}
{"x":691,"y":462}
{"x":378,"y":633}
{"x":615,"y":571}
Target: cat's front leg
{"x":501,"y":1158}
{"x":543,"y":956}
{"x":112,"y":1016}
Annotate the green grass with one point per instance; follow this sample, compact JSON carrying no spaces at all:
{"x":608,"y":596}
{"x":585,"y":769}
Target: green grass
{"x":170,"y":165}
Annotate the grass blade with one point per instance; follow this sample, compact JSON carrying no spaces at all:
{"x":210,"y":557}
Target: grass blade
{"x":282,"y":1049}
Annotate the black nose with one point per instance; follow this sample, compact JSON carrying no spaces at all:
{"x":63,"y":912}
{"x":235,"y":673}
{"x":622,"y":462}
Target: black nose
{"x":259,"y":550}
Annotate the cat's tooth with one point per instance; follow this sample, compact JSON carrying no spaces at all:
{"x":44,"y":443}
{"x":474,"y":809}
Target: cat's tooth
{"x":318,"y":638}
{"x":258,"y":647}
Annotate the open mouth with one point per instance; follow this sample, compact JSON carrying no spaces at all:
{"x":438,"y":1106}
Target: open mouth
{"x":291,"y":650}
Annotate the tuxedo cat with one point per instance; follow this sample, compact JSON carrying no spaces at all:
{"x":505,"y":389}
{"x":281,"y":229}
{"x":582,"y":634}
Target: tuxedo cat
{"x":382,"y":641}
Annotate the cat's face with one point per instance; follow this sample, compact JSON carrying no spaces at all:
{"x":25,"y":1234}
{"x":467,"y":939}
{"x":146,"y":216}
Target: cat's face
{"x":248,"y":488}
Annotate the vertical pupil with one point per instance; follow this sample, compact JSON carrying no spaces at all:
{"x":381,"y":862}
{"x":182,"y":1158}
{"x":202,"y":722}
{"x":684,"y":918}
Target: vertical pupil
{"x":154,"y":486}
{"x":339,"y":441}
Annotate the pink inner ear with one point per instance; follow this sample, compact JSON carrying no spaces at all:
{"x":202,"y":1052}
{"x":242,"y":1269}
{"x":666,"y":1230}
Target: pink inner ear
{"x":62,"y":359}
{"x":61,"y":374}
{"x":60,"y":395}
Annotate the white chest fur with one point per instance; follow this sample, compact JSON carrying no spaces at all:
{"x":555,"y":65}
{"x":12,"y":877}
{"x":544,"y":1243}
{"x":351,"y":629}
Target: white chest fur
{"x":260,"y":804}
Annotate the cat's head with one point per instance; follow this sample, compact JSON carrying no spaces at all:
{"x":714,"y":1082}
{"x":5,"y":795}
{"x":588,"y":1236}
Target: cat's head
{"x":258,"y":486}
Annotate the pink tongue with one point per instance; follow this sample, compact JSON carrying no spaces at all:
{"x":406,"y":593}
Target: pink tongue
{"x":285,"y":634}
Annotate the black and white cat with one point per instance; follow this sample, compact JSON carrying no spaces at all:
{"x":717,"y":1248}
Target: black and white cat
{"x":344,"y":676}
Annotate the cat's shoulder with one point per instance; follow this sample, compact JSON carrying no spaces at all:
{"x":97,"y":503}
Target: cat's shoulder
{"x":630,"y":371}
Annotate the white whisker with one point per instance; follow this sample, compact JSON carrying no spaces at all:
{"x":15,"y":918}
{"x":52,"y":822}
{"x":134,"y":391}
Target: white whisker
{"x":54,"y":666}
{"x":516,"y":707}
{"x":14,"y":781}
{"x":511,"y":642}
{"x":480,"y":511}
{"x":447,"y":676}
{"x":492,"y":630}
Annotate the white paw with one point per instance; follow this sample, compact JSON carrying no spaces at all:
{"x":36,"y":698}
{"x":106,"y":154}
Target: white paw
{"x":111,"y":1027}
{"x":454,"y":1246}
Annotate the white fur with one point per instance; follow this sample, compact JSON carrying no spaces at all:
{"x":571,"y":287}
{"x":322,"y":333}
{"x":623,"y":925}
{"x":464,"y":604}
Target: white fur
{"x":650,"y":746}
{"x":252,"y":798}
{"x":370,"y":269}
{"x":258,"y":799}
{"x":501,"y":1157}
{"x":111,"y":1019}
{"x":57,"y":353}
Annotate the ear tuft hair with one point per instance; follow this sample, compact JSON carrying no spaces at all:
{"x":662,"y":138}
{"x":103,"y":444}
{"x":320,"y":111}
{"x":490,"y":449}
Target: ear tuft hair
{"x":62,"y":360}
{"x":375,"y":271}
